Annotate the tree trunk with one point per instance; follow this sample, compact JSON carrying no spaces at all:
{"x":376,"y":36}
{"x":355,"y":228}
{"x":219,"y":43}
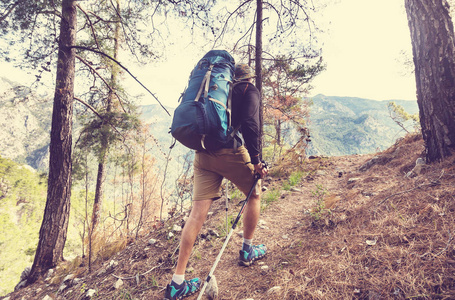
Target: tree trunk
{"x":434,"y":58}
{"x":52,"y":235}
{"x":98,"y":201}
{"x":98,"y":194}
{"x":258,"y":67}
{"x":278,"y":132}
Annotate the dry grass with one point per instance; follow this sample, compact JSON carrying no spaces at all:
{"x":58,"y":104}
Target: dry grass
{"x":387,"y":237}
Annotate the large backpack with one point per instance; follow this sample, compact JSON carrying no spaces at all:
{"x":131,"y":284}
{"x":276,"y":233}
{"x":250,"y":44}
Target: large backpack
{"x":202,"y":119}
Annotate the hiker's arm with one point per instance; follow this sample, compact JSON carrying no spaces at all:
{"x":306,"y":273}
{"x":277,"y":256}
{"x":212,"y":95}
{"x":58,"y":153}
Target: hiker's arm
{"x":250,"y":123}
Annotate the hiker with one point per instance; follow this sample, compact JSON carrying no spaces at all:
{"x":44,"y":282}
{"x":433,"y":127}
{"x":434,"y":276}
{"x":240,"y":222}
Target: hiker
{"x":238,"y":163}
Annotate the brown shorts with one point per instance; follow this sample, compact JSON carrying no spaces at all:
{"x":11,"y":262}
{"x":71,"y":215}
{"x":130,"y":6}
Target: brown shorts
{"x":211,"y":168}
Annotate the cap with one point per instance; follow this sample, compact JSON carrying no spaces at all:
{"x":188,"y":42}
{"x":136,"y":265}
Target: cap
{"x":243,"y":71}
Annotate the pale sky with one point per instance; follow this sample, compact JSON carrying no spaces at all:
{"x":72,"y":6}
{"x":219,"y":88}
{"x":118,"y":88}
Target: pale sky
{"x":362,"y":51}
{"x":362,"y":46}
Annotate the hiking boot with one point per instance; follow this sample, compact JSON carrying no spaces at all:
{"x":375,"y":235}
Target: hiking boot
{"x":176,"y":291}
{"x":248,"y":256}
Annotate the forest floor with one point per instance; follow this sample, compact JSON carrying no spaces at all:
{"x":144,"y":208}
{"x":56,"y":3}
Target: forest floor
{"x":354,"y":227}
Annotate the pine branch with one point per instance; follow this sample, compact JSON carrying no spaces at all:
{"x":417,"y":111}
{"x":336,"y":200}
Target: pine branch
{"x":124,"y":68}
{"x":91,"y":25}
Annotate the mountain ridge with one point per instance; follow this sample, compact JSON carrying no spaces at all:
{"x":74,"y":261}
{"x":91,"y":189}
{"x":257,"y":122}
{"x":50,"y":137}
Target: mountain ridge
{"x":338,"y":125}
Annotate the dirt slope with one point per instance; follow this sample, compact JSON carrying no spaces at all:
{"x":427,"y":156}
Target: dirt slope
{"x":386,"y":236}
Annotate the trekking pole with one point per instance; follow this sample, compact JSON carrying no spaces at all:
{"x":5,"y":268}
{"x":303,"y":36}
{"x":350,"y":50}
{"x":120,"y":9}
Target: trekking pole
{"x":227,"y":208}
{"x":217,"y":260}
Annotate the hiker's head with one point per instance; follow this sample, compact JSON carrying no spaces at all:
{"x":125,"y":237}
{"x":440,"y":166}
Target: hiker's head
{"x":243,"y":72}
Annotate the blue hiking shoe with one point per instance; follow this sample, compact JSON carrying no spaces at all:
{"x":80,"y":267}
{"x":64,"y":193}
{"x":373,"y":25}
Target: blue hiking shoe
{"x":175,"y":291}
{"x":248,"y":256}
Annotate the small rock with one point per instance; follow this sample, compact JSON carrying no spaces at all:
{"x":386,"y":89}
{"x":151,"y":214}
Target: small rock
{"x":113,"y":264}
{"x":264,"y":267}
{"x":47,"y":297}
{"x":296,"y":190}
{"x":68,"y":278}
{"x":210,"y":213}
{"x":20,"y":285}
{"x":61,"y":288}
{"x":49,"y":274}
{"x":370,"y":242}
{"x":25,"y":273}
{"x":214,"y":233}
{"x":369,"y":164}
{"x":170,"y":235}
{"x":190,"y":270}
{"x":285,"y":236}
{"x":176,"y":228}
{"x":353,"y":180}
{"x":152,"y":242}
{"x":212,"y":288}
{"x":262,"y":222}
{"x":90,"y":293}
{"x":240,"y":233}
{"x":321,"y":172}
{"x":274,"y":290}
{"x":118,"y":284}
{"x":420,"y":161}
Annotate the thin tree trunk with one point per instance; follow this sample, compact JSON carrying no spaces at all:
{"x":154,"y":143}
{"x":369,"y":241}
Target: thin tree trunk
{"x":258,"y":67}
{"x":97,"y":204}
{"x":434,"y":58}
{"x":98,"y":193}
{"x":278,"y":132}
{"x":52,"y":235}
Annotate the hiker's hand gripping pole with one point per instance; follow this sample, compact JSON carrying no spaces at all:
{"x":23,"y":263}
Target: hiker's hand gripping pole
{"x":217,"y":260}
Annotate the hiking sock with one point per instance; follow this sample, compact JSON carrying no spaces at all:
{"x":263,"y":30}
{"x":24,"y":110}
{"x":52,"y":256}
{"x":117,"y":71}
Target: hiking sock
{"x":178,"y":279}
{"x":247,"y":244}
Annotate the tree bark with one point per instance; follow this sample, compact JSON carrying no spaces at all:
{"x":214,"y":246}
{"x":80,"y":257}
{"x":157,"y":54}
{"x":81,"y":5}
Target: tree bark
{"x":98,"y":201}
{"x":432,"y":38}
{"x":258,"y":67}
{"x":52,"y":235}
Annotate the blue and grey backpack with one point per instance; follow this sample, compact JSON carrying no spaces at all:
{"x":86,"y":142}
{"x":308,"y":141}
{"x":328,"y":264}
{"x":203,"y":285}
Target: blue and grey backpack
{"x":202,"y":120}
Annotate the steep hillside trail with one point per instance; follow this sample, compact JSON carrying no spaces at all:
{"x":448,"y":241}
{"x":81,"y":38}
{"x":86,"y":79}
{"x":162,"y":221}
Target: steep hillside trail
{"x":279,"y":229}
{"x":385,"y":231}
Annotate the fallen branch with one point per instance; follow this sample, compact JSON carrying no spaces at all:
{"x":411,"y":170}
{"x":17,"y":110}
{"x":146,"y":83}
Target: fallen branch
{"x":137,"y":276}
{"x":432,"y":183}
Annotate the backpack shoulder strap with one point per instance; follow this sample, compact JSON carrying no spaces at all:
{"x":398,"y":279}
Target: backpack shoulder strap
{"x":204,"y":84}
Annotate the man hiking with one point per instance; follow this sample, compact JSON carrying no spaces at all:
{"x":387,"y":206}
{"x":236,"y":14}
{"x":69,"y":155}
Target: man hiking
{"x":238,"y":163}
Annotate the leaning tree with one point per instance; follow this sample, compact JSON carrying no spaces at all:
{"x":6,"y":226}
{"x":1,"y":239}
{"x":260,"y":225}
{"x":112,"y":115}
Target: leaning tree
{"x":433,"y":50}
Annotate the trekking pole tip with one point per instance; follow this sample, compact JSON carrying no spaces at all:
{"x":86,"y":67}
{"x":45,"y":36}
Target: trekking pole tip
{"x":212,"y":288}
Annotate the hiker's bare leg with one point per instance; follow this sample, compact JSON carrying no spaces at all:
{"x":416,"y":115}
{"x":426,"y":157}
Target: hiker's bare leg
{"x":251,"y":216}
{"x":190,"y":231}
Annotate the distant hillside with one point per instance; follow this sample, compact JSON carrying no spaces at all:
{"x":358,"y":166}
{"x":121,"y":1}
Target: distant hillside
{"x":25,"y":122}
{"x":347,"y":125}
{"x":338,"y":125}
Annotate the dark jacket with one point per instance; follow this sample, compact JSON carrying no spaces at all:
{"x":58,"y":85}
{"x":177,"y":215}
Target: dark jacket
{"x":245,"y":111}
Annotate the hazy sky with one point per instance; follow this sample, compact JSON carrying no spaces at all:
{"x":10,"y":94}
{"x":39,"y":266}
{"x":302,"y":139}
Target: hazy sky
{"x":362,"y":44}
{"x":362,"y":51}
